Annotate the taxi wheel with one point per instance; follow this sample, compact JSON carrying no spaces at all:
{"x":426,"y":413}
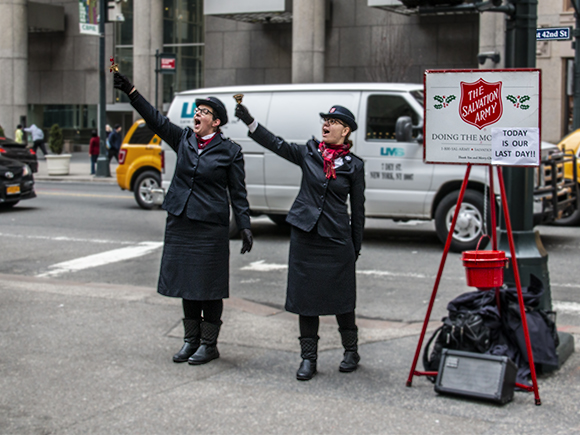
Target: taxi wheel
{"x":145,"y":182}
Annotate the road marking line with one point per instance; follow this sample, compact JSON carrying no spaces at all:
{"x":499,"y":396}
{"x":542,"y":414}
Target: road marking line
{"x":262,"y":266}
{"x":88,"y":195}
{"x":101,"y":259}
{"x":67,"y":239}
{"x":569,"y":307}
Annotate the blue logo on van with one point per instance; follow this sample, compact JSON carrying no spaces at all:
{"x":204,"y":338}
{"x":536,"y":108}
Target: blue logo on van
{"x":184,"y":113}
{"x":397,"y":152}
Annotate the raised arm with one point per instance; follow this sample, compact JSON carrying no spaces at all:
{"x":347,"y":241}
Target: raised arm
{"x":158,"y":123}
{"x":290,"y":151}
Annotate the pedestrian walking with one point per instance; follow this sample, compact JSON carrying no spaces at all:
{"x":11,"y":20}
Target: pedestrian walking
{"x":195,"y":260}
{"x":115,"y":142}
{"x":94,"y":149}
{"x":19,"y":134}
{"x":37,"y":138}
{"x":324,"y":242}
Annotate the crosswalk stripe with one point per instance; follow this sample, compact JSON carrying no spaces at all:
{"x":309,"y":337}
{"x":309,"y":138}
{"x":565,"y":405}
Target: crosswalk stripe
{"x":101,"y":259}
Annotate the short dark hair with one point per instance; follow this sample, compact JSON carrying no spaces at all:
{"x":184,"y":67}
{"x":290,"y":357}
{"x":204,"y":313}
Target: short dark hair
{"x":94,"y":133}
{"x":19,"y":126}
{"x":117,"y":126}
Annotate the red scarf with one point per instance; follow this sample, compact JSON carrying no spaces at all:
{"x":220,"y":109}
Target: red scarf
{"x":330,"y":153}
{"x":202,"y":143}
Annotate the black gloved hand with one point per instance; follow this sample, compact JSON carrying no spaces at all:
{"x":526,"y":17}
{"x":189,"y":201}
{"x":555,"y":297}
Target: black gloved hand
{"x":242,"y":113}
{"x":247,"y":241}
{"x":357,"y":254}
{"x":122,"y":83}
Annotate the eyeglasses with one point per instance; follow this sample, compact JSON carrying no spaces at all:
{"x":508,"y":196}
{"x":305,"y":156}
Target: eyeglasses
{"x":331,"y":121}
{"x":203,"y":111}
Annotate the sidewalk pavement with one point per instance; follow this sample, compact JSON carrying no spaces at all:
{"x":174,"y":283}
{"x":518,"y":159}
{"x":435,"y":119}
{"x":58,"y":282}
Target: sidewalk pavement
{"x":80,"y":171}
{"x":94,"y":358}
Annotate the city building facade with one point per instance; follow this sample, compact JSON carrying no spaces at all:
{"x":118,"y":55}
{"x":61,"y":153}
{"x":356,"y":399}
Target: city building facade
{"x":50,"y":73}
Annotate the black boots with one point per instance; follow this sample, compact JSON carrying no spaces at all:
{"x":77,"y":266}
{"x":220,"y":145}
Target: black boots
{"x":350,"y":343}
{"x":309,"y":354}
{"x":191,"y":340}
{"x":207,"y":350}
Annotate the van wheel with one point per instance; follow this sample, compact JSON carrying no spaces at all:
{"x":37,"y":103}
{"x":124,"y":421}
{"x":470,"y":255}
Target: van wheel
{"x":145,"y":182}
{"x":278,"y":219}
{"x":469,"y":225}
{"x":234,"y":231}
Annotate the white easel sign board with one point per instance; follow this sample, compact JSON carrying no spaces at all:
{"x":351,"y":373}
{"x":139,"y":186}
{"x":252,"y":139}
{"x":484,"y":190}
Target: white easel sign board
{"x":482,"y":117}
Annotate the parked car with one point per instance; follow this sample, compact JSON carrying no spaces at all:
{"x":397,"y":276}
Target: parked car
{"x":399,"y":185}
{"x":18,"y":151}
{"x":555,"y":194}
{"x":570,"y":146}
{"x":16,"y":182}
{"x":140,"y":162}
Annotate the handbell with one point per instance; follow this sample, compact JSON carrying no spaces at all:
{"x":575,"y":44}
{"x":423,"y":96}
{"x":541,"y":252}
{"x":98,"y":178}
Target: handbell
{"x":238,"y":98}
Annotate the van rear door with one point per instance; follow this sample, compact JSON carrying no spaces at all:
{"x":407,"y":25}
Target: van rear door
{"x":397,"y":180}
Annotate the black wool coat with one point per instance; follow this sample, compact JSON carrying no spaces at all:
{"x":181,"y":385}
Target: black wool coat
{"x":322,"y":202}
{"x":201,"y":181}
{"x":195,"y":261}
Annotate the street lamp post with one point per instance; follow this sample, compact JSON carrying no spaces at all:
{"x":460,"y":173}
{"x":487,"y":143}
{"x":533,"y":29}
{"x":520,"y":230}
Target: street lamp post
{"x":519,"y":182}
{"x":103,"y":169}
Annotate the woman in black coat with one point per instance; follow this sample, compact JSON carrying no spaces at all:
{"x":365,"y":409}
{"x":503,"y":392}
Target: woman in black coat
{"x":195,"y":262}
{"x":325,"y":243}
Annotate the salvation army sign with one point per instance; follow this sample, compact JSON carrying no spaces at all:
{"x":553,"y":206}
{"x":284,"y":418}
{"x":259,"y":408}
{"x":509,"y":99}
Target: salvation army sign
{"x":480,"y":103}
{"x":464,"y":107}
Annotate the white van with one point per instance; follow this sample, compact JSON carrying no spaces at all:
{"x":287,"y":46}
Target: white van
{"x":390,"y":117}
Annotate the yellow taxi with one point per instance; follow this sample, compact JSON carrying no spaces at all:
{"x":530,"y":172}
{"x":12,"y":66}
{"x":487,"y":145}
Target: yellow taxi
{"x":571,"y":144}
{"x":140,"y":163}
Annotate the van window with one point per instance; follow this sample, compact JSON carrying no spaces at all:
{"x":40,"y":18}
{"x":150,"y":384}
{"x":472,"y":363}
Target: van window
{"x":141,"y":135}
{"x":382,"y":114}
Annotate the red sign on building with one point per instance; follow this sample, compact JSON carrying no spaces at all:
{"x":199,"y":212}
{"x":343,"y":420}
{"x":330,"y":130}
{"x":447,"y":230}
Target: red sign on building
{"x":167,"y":63}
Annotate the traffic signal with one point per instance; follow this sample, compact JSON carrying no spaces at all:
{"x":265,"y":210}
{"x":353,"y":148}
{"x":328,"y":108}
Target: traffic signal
{"x":114,"y":12}
{"x":448,"y":3}
{"x":431,"y":3}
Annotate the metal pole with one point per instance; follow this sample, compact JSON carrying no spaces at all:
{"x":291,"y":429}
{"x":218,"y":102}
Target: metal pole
{"x":519,"y":182}
{"x":156,"y":77}
{"x":103,"y":169}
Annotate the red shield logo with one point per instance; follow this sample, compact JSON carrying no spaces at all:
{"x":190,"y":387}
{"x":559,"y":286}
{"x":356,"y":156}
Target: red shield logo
{"x":480,"y":103}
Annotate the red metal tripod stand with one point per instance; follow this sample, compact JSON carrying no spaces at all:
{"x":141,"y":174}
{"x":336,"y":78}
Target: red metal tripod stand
{"x":415,"y":372}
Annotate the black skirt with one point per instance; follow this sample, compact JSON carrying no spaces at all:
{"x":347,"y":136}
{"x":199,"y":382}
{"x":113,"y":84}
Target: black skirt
{"x":195,"y":261}
{"x":321,"y":275}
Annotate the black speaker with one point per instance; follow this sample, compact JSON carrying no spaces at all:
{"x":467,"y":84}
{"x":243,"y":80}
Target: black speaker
{"x":476,"y":375}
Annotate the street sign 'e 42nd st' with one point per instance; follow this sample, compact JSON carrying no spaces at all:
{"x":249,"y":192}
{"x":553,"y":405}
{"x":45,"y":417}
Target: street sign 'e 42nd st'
{"x":554,"y":34}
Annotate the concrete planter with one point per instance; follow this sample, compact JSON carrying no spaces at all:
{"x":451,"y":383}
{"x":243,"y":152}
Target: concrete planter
{"x":58,"y":164}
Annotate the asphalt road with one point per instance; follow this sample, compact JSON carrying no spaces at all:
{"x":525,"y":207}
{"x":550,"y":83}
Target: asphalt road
{"x":97,"y":233}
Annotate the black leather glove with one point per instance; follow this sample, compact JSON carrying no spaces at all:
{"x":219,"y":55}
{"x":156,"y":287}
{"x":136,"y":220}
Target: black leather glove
{"x":247,"y":241}
{"x":357,"y":254}
{"x":122,"y":83}
{"x":242,"y":113}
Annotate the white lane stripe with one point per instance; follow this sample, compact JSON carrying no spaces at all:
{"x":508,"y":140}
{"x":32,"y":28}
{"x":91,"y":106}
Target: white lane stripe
{"x":66,"y":239}
{"x":101,"y":259}
{"x":262,"y":266}
{"x":568,"y":307}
